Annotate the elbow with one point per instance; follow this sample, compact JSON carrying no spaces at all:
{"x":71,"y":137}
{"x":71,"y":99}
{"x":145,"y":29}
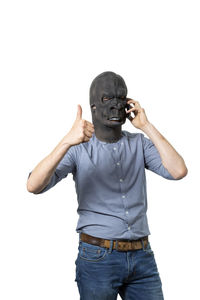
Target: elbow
{"x":30,"y":189}
{"x":182,"y":173}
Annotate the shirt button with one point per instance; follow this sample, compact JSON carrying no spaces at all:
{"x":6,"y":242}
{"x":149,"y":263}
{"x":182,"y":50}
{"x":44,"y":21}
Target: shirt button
{"x":114,"y":148}
{"x":122,"y":143}
{"x":129,"y":227}
{"x":123,"y":196}
{"x":118,"y":163}
{"x":121,"y":180}
{"x":127,"y":212}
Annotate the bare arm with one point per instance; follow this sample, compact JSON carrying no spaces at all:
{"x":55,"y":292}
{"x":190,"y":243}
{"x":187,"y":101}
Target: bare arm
{"x":171,"y":159}
{"x":80,"y":132}
{"x":42,"y":173}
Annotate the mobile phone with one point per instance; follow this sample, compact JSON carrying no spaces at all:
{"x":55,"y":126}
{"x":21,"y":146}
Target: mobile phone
{"x":128,"y":107}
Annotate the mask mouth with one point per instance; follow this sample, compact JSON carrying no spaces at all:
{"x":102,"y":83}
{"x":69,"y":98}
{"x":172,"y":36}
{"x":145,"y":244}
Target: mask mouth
{"x":115,"y":119}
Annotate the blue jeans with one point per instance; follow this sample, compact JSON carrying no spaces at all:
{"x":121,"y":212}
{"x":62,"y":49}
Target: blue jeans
{"x":102,"y":274}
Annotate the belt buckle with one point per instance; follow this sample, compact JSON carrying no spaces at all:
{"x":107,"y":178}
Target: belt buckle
{"x":133,"y":247}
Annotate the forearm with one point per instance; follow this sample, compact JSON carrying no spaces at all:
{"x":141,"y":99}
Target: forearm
{"x":171,"y":159}
{"x":42,"y":173}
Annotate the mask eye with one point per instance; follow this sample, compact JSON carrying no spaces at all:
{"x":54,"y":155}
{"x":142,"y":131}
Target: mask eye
{"x":105,"y":98}
{"x":123,"y":97}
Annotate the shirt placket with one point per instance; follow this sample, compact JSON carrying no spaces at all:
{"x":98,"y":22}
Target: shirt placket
{"x":116,"y":154}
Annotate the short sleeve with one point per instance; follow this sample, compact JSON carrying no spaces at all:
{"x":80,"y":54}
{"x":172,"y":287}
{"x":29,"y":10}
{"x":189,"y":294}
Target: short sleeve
{"x":66,"y":165}
{"x":153,"y":160}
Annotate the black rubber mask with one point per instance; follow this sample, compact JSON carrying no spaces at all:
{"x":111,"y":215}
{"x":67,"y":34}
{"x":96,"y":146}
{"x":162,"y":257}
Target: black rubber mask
{"x":108,"y":93}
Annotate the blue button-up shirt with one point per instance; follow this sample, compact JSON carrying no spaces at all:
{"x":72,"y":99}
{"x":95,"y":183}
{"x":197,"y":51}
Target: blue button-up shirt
{"x":110,"y":184}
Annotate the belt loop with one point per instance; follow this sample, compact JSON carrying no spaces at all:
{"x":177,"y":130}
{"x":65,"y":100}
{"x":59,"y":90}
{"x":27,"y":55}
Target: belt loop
{"x":116,"y":244}
{"x":111,"y":246}
{"x":142,"y":244}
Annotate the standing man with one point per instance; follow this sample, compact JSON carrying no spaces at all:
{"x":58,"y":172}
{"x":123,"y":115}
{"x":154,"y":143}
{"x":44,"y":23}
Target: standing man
{"x":108,"y":167}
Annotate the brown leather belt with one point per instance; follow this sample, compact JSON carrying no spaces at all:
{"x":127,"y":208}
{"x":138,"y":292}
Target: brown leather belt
{"x":119,"y":245}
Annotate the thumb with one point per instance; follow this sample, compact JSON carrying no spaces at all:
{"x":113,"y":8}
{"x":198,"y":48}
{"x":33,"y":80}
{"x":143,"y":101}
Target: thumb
{"x":79,"y":112}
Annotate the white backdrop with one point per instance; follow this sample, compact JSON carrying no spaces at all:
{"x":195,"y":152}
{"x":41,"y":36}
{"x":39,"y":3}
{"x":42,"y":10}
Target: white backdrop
{"x":50,"y":53}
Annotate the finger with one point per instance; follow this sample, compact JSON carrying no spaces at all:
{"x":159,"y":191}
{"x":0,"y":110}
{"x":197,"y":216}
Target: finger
{"x":131,"y":100}
{"x":86,"y":125}
{"x":90,"y":129}
{"x":87,"y":133}
{"x":131,"y":109}
{"x":136,"y":103}
{"x":86,"y":139}
{"x":89,"y":124}
{"x":79,"y":113}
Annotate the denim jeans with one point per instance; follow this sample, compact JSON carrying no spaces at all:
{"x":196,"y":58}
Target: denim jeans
{"x":103,"y":274}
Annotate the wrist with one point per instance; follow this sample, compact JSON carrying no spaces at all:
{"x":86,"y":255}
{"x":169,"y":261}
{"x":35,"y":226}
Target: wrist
{"x":146,"y":127}
{"x":65,"y":142}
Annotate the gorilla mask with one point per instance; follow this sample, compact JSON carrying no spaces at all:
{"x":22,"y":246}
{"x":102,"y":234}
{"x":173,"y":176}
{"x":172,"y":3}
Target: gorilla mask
{"x":108,"y":101}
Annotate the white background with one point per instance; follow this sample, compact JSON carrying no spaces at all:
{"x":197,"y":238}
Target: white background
{"x":50,"y":53}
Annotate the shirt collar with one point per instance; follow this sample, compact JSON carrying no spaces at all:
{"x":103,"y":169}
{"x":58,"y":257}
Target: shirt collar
{"x":105,"y":143}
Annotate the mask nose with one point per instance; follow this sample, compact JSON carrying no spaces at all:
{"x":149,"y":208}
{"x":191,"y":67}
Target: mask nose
{"x":116,"y":104}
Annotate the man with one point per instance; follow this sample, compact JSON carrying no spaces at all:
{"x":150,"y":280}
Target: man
{"x":108,"y":167}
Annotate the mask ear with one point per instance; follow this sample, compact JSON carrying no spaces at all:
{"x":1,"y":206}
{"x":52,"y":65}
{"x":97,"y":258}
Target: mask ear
{"x":93,"y":107}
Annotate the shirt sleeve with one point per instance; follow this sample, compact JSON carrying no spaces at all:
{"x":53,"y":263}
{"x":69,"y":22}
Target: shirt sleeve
{"x":153,"y":160}
{"x":66,"y":165}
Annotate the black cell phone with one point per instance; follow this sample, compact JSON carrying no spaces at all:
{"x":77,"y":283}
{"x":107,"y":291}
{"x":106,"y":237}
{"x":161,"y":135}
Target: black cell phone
{"x":128,"y":107}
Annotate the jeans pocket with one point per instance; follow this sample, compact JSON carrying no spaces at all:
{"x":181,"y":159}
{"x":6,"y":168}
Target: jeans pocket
{"x":92,"y":253}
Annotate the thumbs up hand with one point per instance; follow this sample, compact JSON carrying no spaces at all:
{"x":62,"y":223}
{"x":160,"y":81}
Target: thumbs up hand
{"x":81,"y":130}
